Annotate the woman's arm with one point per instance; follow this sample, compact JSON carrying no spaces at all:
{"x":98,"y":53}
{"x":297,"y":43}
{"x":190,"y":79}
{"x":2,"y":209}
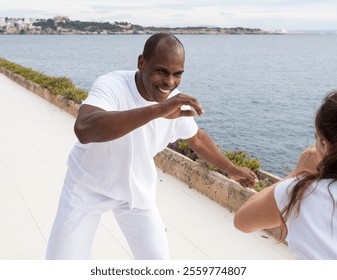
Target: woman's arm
{"x":261,"y":211}
{"x":258,"y":212}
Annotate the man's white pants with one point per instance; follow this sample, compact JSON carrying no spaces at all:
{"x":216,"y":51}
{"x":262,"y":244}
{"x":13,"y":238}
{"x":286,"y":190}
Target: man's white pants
{"x":77,"y":219}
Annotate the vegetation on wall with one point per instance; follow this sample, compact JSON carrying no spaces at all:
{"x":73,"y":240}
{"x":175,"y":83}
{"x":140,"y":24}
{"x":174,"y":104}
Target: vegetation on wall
{"x":56,"y":85}
{"x":238,"y":157}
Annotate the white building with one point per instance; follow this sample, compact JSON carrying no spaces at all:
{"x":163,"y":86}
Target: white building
{"x":2,"y":22}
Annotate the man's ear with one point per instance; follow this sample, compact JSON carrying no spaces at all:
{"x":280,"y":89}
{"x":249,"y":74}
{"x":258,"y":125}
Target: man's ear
{"x":140,"y":62}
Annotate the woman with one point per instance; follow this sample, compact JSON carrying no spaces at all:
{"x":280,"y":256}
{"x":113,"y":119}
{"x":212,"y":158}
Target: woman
{"x":304,"y":204}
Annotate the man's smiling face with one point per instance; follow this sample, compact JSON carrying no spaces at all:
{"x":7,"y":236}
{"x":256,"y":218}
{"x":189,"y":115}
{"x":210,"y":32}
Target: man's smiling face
{"x":161,"y":74}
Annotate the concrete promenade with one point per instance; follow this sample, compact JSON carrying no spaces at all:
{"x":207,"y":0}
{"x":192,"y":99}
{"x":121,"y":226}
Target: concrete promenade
{"x":36,"y":138}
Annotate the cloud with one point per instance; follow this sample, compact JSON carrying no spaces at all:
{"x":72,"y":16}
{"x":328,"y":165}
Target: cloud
{"x":265,"y":14}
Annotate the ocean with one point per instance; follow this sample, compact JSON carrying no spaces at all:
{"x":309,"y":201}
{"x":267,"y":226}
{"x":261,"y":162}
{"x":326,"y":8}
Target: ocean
{"x":259,"y":92}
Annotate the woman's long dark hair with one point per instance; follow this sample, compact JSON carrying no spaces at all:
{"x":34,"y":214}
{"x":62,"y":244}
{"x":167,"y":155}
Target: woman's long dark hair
{"x":326,"y":125}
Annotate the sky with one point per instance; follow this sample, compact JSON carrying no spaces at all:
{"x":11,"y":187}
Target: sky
{"x":264,"y":14}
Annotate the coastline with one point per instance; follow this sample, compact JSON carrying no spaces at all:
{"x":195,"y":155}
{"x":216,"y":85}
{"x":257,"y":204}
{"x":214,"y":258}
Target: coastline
{"x":61,"y":25}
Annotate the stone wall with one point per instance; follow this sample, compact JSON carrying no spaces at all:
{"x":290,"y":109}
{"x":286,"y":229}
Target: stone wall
{"x":67,"y":105}
{"x":224,"y":191}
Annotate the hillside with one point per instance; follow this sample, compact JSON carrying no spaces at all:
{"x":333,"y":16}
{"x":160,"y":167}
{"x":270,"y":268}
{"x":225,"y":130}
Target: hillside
{"x":63,"y":25}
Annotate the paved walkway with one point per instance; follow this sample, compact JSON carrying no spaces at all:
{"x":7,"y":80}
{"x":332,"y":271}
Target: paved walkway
{"x":36,"y":138}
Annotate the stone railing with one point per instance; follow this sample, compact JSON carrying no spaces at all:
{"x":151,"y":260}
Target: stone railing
{"x":67,"y":105}
{"x":226,"y":192}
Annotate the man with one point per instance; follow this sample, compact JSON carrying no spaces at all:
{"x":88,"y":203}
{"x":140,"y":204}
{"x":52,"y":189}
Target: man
{"x":128,"y":117}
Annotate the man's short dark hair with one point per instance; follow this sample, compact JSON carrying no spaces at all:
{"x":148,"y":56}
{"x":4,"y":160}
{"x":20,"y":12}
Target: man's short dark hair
{"x":153,"y":41}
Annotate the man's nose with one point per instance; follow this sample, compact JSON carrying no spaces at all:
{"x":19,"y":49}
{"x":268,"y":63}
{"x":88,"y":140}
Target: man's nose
{"x":169,"y":80}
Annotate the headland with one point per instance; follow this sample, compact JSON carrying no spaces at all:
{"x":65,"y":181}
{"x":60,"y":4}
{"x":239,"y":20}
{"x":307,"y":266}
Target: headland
{"x":61,"y":25}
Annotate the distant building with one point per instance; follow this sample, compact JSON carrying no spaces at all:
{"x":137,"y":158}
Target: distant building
{"x":282,"y":31}
{"x":2,"y":22}
{"x":61,"y":19}
{"x":19,"y":22}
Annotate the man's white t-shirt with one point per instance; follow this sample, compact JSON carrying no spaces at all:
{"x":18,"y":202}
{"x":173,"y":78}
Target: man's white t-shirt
{"x":312,"y":234}
{"x":123,"y":169}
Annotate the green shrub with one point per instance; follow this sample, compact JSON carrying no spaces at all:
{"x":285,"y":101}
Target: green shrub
{"x":262,"y":184}
{"x":241,"y":158}
{"x":56,"y":85}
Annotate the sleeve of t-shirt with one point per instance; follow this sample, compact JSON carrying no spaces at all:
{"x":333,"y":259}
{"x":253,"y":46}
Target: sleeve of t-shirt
{"x":185,"y":128}
{"x":281,"y":192}
{"x":102,"y":95}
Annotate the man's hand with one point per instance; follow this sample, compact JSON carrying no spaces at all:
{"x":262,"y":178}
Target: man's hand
{"x":244,"y":176}
{"x":206,"y":148}
{"x":172,"y":107}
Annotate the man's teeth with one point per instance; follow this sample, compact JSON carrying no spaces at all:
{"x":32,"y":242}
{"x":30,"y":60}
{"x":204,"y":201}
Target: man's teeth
{"x":165,"y":91}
